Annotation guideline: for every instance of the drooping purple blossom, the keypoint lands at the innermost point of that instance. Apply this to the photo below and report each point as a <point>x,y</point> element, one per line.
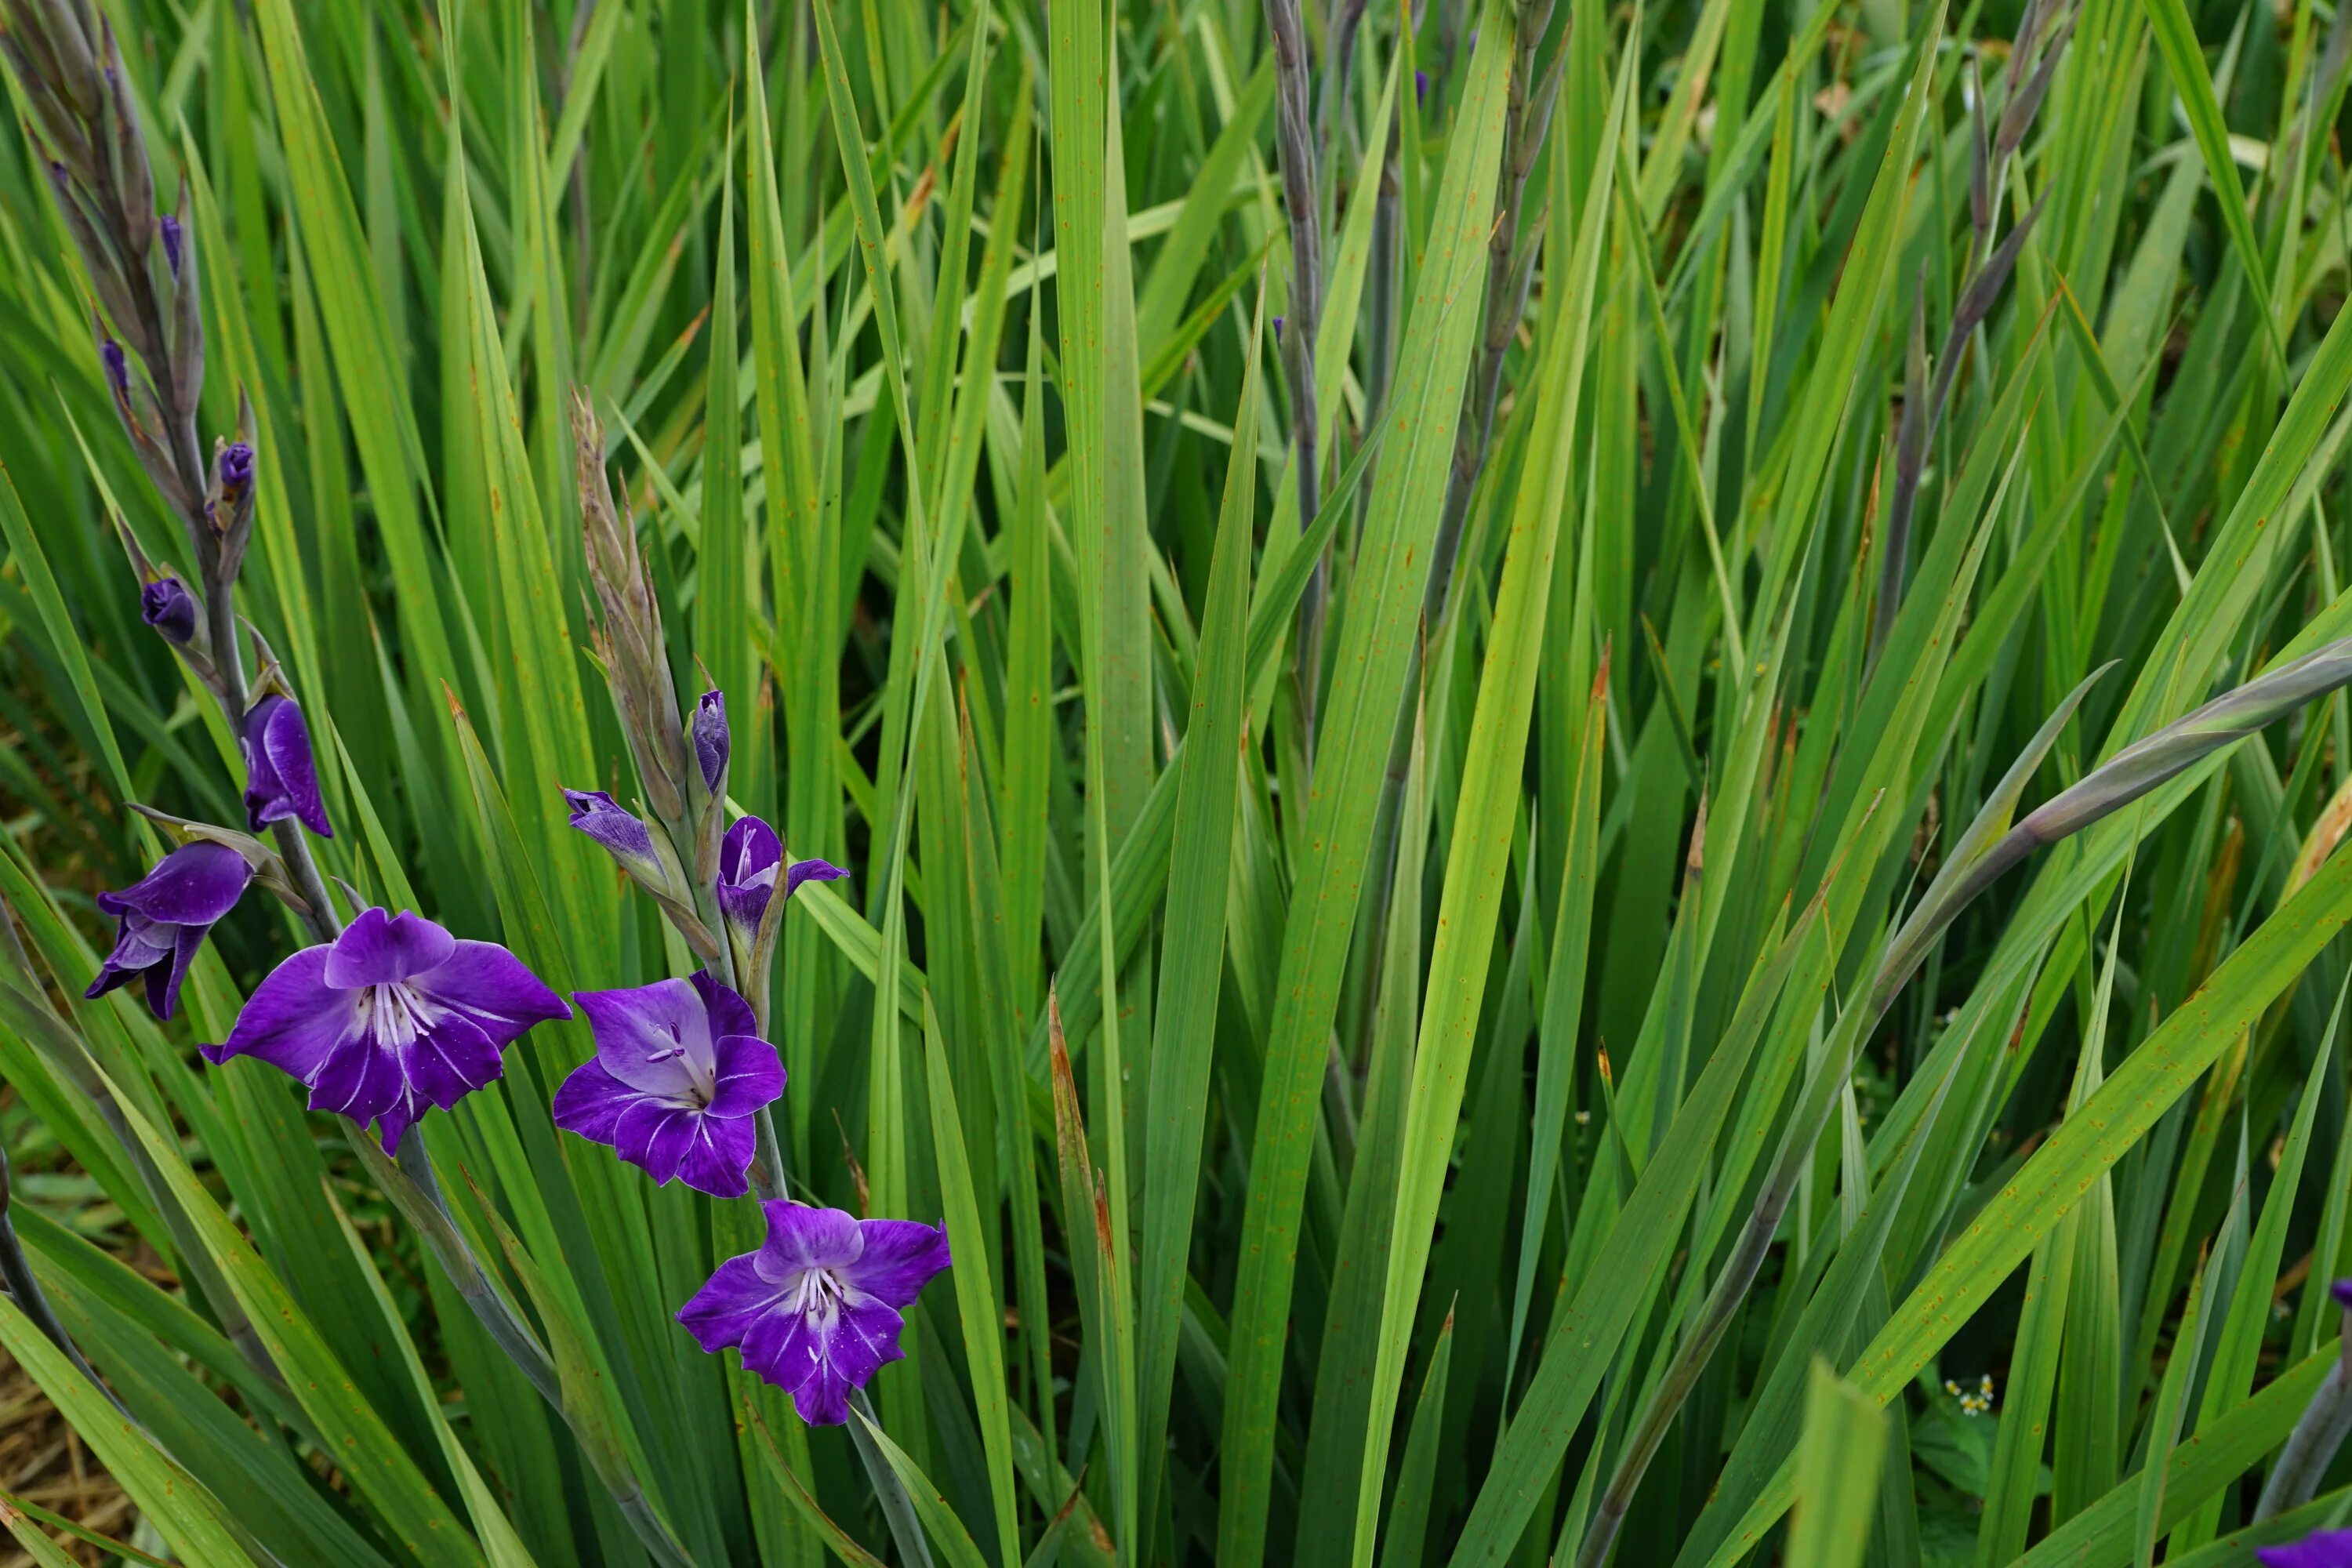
<point>2320,1549</point>
<point>168,606</point>
<point>815,1310</point>
<point>169,227</point>
<point>161,918</point>
<point>595,813</point>
<point>393,1016</point>
<point>678,1077</point>
<point>749,858</point>
<point>282,779</point>
<point>713,743</point>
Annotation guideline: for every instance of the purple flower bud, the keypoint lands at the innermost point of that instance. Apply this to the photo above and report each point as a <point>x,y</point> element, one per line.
<point>282,779</point>
<point>170,226</point>
<point>117,368</point>
<point>235,468</point>
<point>1420,86</point>
<point>712,744</point>
<point>161,919</point>
<point>624,836</point>
<point>1278,332</point>
<point>168,606</point>
<point>2342,1291</point>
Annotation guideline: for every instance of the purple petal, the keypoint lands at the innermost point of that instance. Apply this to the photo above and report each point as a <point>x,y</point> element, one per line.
<point>655,1137</point>
<point>196,884</point>
<point>2321,1549</point>
<point>749,1078</point>
<point>811,871</point>
<point>235,467</point>
<point>493,988</point>
<point>728,1013</point>
<point>651,1037</point>
<point>589,1102</point>
<point>2342,1291</point>
<point>173,240</point>
<point>117,368</point>
<point>729,1302</point>
<point>360,1079</point>
<point>596,814</point>
<point>719,1161</point>
<point>452,1059</point>
<point>901,1256</point>
<point>380,949</point>
<point>817,1358</point>
<point>801,1238</point>
<point>294,1020</point>
<point>711,742</point>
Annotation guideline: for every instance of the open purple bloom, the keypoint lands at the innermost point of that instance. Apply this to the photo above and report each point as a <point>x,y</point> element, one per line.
<point>172,239</point>
<point>713,743</point>
<point>168,606</point>
<point>161,919</point>
<point>595,813</point>
<point>281,779</point>
<point>815,1311</point>
<point>678,1074</point>
<point>2320,1549</point>
<point>393,1015</point>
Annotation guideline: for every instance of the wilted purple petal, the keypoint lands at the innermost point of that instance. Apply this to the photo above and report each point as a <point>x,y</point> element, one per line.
<point>713,743</point>
<point>161,918</point>
<point>810,1312</point>
<point>281,780</point>
<point>168,606</point>
<point>676,1079</point>
<point>394,1016</point>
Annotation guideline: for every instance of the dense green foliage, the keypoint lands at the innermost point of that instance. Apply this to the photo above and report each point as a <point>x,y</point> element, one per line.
<point>1407,1031</point>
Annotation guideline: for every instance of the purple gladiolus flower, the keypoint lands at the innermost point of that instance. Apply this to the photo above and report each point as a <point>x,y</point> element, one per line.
<point>750,858</point>
<point>815,1311</point>
<point>2321,1549</point>
<point>170,227</point>
<point>168,606</point>
<point>711,742</point>
<point>161,919</point>
<point>595,813</point>
<point>679,1076</point>
<point>391,1017</point>
<point>117,368</point>
<point>235,465</point>
<point>281,780</point>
